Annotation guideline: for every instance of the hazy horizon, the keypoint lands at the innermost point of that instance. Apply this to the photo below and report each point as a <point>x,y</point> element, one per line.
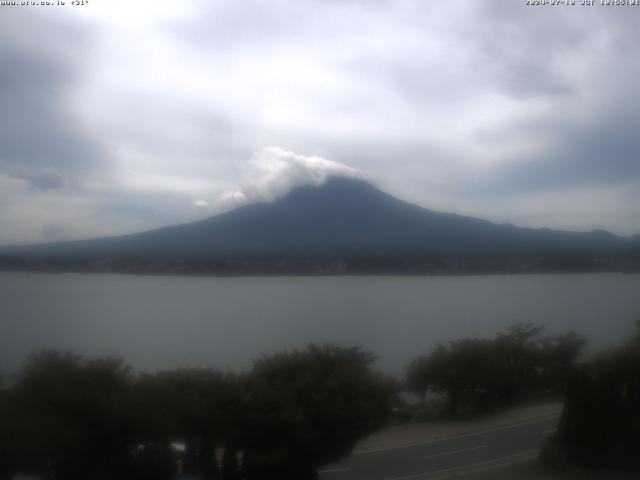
<point>275,197</point>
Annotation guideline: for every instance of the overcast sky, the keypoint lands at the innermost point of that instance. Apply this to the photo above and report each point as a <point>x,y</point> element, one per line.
<point>123,115</point>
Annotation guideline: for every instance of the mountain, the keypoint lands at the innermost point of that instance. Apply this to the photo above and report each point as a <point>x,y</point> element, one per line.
<point>343,222</point>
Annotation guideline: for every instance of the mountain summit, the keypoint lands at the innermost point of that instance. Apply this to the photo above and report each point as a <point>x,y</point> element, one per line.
<point>341,220</point>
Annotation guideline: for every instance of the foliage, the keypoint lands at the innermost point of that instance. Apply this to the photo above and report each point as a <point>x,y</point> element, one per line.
<point>310,407</point>
<point>69,418</point>
<point>5,435</point>
<point>200,406</point>
<point>600,424</point>
<point>484,373</point>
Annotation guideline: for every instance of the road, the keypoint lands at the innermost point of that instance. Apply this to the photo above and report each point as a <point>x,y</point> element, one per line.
<point>494,449</point>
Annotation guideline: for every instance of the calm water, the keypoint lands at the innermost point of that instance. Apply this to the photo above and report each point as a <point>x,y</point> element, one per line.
<point>158,322</point>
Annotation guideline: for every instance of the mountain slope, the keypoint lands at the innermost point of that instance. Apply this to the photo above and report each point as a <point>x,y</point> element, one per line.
<point>342,218</point>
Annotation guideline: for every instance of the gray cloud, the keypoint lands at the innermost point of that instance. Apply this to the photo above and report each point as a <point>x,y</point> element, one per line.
<point>56,232</point>
<point>121,121</point>
<point>522,50</point>
<point>40,140</point>
<point>254,24</point>
<point>592,156</point>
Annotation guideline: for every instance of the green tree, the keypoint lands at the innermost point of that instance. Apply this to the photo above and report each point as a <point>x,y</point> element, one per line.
<point>485,373</point>
<point>201,407</point>
<point>600,423</point>
<point>308,408</point>
<point>558,359</point>
<point>6,434</point>
<point>73,423</point>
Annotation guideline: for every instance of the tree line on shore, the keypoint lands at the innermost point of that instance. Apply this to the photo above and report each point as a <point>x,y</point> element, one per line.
<point>65,417</point>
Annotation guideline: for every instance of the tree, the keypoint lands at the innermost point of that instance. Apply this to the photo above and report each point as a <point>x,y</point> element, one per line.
<point>558,359</point>
<point>518,359</point>
<point>6,434</point>
<point>308,408</point>
<point>600,423</point>
<point>206,405</point>
<point>72,419</point>
<point>486,373</point>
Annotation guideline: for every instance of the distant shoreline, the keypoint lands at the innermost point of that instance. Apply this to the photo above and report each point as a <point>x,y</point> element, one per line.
<point>143,273</point>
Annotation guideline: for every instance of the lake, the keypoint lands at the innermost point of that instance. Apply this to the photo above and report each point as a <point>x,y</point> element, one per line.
<point>160,322</point>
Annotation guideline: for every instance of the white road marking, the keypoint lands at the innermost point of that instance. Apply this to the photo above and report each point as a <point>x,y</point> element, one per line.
<point>514,460</point>
<point>473,467</point>
<point>334,470</point>
<point>456,437</point>
<point>453,452</point>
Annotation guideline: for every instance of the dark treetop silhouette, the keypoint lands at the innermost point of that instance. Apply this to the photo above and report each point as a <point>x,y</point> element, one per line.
<point>69,418</point>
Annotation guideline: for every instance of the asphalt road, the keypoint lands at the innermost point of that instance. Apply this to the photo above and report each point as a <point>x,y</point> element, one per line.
<point>469,454</point>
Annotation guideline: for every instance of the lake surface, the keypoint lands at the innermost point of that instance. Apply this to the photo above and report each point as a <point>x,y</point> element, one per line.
<point>169,321</point>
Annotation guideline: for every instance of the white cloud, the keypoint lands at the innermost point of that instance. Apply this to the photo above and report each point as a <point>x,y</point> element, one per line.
<point>273,171</point>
